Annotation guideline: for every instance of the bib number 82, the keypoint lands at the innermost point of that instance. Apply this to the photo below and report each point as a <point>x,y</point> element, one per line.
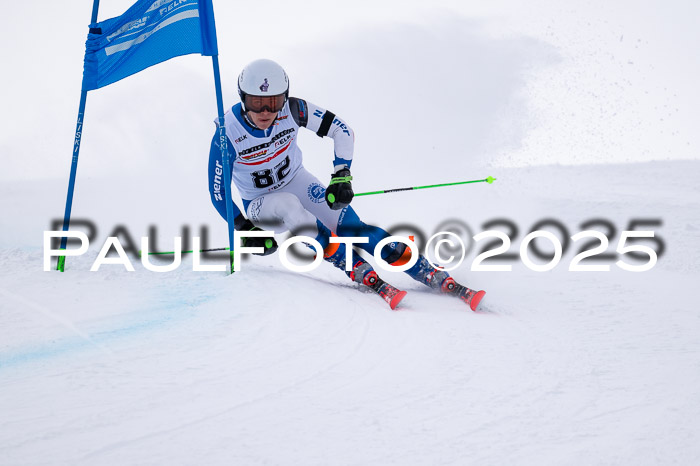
<point>266,178</point>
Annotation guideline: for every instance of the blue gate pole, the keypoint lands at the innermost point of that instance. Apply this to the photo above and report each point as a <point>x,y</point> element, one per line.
<point>76,151</point>
<point>224,157</point>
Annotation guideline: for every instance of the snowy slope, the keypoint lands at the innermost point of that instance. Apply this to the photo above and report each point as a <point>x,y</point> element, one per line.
<point>273,367</point>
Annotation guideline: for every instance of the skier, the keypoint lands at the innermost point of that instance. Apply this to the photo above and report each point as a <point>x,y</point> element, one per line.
<point>275,187</point>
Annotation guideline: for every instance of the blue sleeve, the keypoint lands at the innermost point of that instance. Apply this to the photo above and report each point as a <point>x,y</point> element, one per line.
<point>217,188</point>
<point>341,161</point>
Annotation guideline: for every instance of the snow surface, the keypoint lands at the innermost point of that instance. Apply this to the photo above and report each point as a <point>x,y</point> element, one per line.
<point>269,366</point>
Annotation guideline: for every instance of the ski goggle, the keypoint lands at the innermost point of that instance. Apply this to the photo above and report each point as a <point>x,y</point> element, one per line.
<point>270,103</point>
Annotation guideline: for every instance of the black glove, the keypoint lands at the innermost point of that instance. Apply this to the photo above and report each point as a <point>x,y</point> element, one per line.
<point>339,192</point>
<point>243,224</point>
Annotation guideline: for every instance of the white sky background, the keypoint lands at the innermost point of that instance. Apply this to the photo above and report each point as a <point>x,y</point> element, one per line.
<point>435,87</point>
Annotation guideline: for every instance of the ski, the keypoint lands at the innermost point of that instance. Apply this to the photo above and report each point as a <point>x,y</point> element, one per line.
<point>387,292</point>
<point>471,297</point>
<point>393,295</point>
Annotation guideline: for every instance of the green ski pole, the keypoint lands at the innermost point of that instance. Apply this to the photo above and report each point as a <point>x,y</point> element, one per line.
<point>488,180</point>
<point>268,244</point>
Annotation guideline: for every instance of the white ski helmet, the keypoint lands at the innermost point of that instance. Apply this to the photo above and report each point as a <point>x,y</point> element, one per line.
<point>263,78</point>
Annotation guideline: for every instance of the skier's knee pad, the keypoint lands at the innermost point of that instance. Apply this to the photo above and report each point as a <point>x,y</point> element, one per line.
<point>396,253</point>
<point>330,249</point>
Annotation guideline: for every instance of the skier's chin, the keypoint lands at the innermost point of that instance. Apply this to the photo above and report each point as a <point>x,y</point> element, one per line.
<point>264,120</point>
<point>266,123</point>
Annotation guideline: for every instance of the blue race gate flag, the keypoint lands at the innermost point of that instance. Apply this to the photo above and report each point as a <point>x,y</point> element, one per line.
<point>150,32</point>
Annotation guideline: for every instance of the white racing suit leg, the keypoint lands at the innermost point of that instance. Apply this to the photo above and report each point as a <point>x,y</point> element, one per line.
<point>295,207</point>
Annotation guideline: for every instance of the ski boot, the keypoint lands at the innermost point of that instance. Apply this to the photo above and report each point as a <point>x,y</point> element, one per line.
<point>364,274</point>
<point>471,297</point>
